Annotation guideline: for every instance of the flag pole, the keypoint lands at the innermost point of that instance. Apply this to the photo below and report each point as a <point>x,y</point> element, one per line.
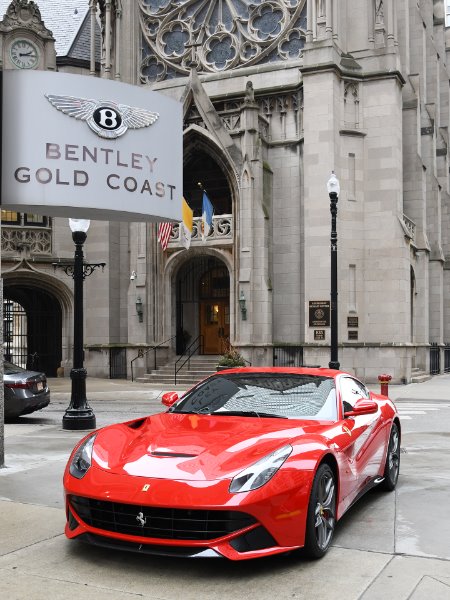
<point>200,185</point>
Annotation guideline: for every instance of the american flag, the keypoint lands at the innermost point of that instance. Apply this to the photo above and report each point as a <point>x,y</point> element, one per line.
<point>164,231</point>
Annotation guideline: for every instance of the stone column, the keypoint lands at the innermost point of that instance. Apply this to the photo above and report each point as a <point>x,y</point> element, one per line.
<point>254,243</point>
<point>93,13</point>
<point>107,40</point>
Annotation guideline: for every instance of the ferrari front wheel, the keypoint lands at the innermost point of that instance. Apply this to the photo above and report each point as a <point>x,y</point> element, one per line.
<point>321,518</point>
<point>392,466</point>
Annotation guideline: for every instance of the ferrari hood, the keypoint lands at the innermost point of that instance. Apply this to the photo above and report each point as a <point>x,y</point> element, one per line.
<point>193,447</point>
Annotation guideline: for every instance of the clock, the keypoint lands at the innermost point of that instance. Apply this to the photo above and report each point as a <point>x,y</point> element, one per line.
<point>24,54</point>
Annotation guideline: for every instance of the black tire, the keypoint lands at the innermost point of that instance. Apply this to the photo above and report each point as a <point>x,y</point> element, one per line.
<point>392,466</point>
<point>321,517</point>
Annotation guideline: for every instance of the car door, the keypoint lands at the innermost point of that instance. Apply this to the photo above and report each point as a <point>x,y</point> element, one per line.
<point>360,438</point>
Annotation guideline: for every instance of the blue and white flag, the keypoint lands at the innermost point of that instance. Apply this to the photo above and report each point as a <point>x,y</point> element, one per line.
<point>207,216</point>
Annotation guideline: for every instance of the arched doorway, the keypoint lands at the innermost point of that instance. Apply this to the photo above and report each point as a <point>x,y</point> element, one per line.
<point>32,320</point>
<point>203,305</point>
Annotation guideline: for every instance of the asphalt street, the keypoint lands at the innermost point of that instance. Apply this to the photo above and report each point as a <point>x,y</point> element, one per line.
<point>390,545</point>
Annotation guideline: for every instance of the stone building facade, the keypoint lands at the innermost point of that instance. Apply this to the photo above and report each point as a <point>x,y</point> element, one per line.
<point>276,95</point>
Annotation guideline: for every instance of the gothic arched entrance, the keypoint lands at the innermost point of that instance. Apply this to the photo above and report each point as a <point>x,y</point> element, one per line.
<point>32,320</point>
<point>203,305</point>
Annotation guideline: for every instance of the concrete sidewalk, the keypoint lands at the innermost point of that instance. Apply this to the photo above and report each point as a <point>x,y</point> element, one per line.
<point>385,547</point>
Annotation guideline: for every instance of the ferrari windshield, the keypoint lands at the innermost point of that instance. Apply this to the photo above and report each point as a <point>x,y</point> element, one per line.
<point>263,395</point>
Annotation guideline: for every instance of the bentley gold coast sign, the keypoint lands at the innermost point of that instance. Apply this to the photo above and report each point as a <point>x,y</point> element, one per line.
<point>84,147</point>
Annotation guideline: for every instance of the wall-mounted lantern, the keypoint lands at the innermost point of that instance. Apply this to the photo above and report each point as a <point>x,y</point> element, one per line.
<point>139,309</point>
<point>242,305</point>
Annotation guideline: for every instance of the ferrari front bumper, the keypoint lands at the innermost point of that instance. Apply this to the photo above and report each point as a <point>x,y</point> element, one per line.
<point>181,518</point>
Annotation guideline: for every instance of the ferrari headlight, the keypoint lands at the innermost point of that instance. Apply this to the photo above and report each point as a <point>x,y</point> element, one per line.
<point>81,460</point>
<point>261,472</point>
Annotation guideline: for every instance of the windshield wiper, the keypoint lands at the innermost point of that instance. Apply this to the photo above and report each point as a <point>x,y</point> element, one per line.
<point>248,413</point>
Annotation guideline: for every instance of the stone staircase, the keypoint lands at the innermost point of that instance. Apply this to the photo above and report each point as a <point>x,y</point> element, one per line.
<point>419,376</point>
<point>199,368</point>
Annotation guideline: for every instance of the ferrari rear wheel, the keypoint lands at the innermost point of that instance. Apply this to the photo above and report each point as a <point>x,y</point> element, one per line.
<point>321,518</point>
<point>392,467</point>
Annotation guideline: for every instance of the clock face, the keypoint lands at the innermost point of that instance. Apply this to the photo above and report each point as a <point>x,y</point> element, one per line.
<point>24,54</point>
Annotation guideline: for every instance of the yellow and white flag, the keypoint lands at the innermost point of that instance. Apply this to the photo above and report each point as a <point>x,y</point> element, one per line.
<point>186,225</point>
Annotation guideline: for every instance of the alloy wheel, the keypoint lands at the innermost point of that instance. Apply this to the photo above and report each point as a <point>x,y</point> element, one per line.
<point>324,511</point>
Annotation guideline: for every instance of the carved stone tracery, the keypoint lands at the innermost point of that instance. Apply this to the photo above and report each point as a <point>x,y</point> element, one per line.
<point>287,106</point>
<point>218,35</point>
<point>37,241</point>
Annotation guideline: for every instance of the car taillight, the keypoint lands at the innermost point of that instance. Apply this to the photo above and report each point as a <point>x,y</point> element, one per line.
<point>23,385</point>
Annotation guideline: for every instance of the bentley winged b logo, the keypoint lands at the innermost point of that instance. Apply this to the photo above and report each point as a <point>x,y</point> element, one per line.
<point>106,118</point>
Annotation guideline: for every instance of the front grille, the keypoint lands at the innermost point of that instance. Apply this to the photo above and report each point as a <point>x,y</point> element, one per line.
<point>161,523</point>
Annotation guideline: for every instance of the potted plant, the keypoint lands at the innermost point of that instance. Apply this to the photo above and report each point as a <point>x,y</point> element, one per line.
<point>230,359</point>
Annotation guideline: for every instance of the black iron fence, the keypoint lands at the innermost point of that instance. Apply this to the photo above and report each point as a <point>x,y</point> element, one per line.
<point>447,358</point>
<point>288,356</point>
<point>435,359</point>
<point>118,363</point>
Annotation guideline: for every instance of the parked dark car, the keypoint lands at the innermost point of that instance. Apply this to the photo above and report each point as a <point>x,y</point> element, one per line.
<point>25,391</point>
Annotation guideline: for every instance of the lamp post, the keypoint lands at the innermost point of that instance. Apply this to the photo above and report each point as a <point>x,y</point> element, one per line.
<point>79,415</point>
<point>333,192</point>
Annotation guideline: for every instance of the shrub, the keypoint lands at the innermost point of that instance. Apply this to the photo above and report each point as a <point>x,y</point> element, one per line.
<point>231,358</point>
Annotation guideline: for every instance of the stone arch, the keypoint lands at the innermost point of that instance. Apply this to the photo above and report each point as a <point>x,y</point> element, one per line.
<point>47,309</point>
<point>174,267</point>
<point>196,137</point>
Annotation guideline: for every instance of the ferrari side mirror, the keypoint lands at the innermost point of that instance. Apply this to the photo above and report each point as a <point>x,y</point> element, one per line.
<point>169,398</point>
<point>362,407</point>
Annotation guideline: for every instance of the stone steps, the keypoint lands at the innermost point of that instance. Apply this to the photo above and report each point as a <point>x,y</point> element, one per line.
<point>199,367</point>
<point>419,376</point>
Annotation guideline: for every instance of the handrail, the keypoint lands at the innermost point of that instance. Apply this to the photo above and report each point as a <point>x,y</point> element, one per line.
<point>189,351</point>
<point>141,354</point>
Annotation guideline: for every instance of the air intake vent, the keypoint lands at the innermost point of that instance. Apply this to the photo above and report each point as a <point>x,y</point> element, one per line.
<point>161,523</point>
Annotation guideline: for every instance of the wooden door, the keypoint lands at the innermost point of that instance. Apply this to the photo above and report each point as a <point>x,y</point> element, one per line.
<point>215,325</point>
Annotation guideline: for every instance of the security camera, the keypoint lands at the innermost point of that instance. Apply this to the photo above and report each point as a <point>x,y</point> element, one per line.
<point>133,275</point>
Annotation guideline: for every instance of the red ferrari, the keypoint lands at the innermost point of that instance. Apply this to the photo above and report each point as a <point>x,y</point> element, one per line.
<point>249,462</point>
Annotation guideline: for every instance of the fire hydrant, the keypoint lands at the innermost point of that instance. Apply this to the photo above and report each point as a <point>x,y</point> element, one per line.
<point>384,383</point>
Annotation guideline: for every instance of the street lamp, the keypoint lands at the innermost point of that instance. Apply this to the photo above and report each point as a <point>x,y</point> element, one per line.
<point>333,191</point>
<point>79,415</point>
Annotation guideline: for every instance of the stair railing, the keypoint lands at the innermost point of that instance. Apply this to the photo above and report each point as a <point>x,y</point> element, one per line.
<point>197,344</point>
<point>141,354</point>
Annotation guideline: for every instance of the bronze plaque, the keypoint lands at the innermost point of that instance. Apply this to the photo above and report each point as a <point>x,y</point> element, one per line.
<point>319,313</point>
<point>352,335</point>
<point>352,322</point>
<point>319,334</point>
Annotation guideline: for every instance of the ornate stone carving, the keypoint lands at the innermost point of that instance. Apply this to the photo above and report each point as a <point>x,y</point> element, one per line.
<point>222,231</point>
<point>217,35</point>
<point>37,241</point>
<point>351,105</point>
<point>21,13</point>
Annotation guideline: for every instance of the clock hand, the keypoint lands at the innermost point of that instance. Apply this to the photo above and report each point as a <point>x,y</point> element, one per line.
<point>30,53</point>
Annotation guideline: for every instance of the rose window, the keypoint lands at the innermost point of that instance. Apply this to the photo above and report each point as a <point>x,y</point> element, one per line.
<point>217,35</point>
